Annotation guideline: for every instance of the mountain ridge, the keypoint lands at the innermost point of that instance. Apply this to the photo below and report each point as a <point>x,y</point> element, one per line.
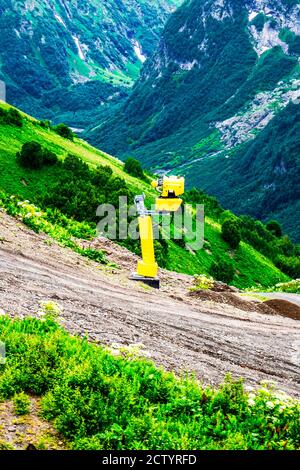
<point>59,56</point>
<point>222,72</point>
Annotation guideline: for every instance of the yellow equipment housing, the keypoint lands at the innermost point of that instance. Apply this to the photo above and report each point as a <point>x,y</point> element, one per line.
<point>147,267</point>
<point>170,188</point>
<point>167,204</point>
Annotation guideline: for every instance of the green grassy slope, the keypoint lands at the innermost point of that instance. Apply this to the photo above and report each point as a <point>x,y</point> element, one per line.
<point>251,267</point>
<point>97,400</point>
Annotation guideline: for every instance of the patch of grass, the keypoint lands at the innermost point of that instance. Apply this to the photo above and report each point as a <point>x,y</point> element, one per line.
<point>21,403</point>
<point>292,287</point>
<point>5,445</point>
<point>97,400</point>
<point>254,296</point>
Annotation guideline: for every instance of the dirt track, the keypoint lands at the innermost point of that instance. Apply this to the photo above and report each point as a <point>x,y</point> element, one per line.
<point>179,331</point>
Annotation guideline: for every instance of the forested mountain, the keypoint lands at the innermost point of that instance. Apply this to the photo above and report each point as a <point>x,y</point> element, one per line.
<point>218,102</point>
<point>60,56</point>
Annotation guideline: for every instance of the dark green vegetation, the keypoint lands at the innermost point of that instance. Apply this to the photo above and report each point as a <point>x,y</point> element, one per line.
<point>71,57</point>
<point>67,194</point>
<point>64,131</point>
<point>264,175</point>
<point>21,404</point>
<point>274,227</point>
<point>97,400</point>
<point>205,72</point>
<point>231,232</point>
<point>133,167</point>
<point>34,156</point>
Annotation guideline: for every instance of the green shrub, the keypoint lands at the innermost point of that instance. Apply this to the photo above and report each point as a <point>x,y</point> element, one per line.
<point>231,232</point>
<point>133,167</point>
<point>292,287</point>
<point>95,255</point>
<point>45,124</point>
<point>14,118</point>
<point>11,117</point>
<point>99,400</point>
<point>289,265</point>
<point>6,445</point>
<point>64,131</point>
<point>21,403</point>
<point>275,228</point>
<point>222,270</point>
<point>203,282</point>
<point>79,190</point>
<point>259,21</point>
<point>34,156</point>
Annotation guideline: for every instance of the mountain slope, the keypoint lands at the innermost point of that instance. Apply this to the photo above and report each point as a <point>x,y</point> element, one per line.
<point>223,70</point>
<point>65,56</point>
<point>250,266</point>
<point>180,331</point>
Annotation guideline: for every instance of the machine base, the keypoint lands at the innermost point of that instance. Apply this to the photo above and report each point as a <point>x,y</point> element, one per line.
<point>150,281</point>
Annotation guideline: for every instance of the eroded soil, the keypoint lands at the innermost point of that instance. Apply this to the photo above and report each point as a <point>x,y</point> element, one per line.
<point>207,335</point>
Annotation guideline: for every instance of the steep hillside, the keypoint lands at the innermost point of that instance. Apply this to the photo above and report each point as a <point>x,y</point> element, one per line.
<point>223,70</point>
<point>62,56</point>
<point>76,190</point>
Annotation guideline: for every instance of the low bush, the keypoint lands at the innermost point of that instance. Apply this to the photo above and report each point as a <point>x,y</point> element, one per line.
<point>64,131</point>
<point>231,232</point>
<point>11,117</point>
<point>99,400</point>
<point>133,167</point>
<point>274,227</point>
<point>289,265</point>
<point>21,403</point>
<point>222,270</point>
<point>34,156</point>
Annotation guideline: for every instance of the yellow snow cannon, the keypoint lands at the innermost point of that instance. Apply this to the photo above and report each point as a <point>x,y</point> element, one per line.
<point>170,188</point>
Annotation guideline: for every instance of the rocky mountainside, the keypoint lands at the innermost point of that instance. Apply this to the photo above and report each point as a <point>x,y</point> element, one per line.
<point>218,102</point>
<point>61,56</point>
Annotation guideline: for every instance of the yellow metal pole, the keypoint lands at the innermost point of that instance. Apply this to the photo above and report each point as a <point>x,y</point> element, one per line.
<point>148,266</point>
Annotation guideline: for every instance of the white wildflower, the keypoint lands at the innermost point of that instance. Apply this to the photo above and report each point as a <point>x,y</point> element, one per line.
<point>270,404</point>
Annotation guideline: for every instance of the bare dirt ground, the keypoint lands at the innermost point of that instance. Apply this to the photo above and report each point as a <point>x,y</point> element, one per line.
<point>21,431</point>
<point>208,335</point>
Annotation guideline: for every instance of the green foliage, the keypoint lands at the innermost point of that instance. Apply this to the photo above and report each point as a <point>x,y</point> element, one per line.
<point>97,400</point>
<point>196,196</point>
<point>45,124</point>
<point>34,156</point>
<point>222,270</point>
<point>21,403</point>
<point>64,131</point>
<point>289,265</point>
<point>6,445</point>
<point>203,283</point>
<point>11,117</point>
<point>79,190</point>
<point>292,287</point>
<point>133,167</point>
<point>231,232</point>
<point>274,227</point>
<point>259,21</point>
